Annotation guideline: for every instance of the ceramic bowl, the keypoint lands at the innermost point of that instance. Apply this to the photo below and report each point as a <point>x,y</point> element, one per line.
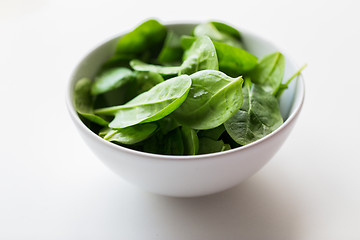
<point>189,176</point>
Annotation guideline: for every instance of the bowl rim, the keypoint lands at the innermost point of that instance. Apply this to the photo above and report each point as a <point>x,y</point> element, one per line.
<point>294,112</point>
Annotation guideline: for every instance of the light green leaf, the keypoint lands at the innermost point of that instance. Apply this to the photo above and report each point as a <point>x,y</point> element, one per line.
<point>152,105</point>
<point>200,56</point>
<point>219,35</point>
<point>129,135</point>
<point>163,70</point>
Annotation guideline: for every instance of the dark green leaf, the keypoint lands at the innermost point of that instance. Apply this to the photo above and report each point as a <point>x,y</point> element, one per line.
<point>208,145</point>
<point>213,133</point>
<point>234,61</point>
<point>111,79</point>
<point>269,73</point>
<point>258,116</point>
<point>173,143</point>
<point>84,103</point>
<point>191,140</point>
<point>167,124</point>
<point>147,37</point>
<point>171,52</point>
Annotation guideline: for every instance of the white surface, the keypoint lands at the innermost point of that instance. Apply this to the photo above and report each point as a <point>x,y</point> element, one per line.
<point>52,187</point>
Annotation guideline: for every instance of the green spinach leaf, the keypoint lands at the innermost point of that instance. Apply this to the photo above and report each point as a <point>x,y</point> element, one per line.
<point>167,124</point>
<point>225,28</point>
<point>200,56</point>
<point>173,143</point>
<point>213,133</point>
<point>191,140</point>
<point>129,135</point>
<point>171,52</point>
<point>213,99</point>
<point>147,38</point>
<point>110,79</point>
<point>208,145</point>
<point>233,61</point>
<point>84,103</point>
<point>258,116</point>
<point>269,73</point>
<point>211,30</point>
<point>284,86</point>
<point>163,70</point>
<point>152,105</point>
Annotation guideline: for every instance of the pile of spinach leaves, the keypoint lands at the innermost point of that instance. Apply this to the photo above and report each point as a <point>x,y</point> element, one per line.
<point>164,93</point>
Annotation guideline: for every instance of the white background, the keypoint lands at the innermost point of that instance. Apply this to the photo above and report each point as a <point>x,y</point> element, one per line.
<point>53,187</point>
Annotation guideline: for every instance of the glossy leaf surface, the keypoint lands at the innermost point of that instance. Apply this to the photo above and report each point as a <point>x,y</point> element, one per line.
<point>213,99</point>
<point>152,105</point>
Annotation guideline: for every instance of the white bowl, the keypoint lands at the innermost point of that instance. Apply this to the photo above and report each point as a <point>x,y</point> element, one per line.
<point>189,176</point>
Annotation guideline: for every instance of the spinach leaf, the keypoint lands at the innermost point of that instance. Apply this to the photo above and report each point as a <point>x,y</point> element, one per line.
<point>129,135</point>
<point>213,99</point>
<point>284,86</point>
<point>146,80</point>
<point>169,144</point>
<point>224,28</point>
<point>84,103</point>
<point>233,61</point>
<point>167,124</point>
<point>154,144</point>
<point>258,116</point>
<point>147,38</point>
<point>110,79</point>
<point>163,70</point>
<point>173,143</point>
<point>186,41</point>
<point>208,145</point>
<point>213,133</point>
<point>118,60</point>
<point>171,52</point>
<point>129,87</point>
<point>201,55</point>
<point>269,73</point>
<point>152,105</point>
<point>219,35</point>
<point>191,140</point>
